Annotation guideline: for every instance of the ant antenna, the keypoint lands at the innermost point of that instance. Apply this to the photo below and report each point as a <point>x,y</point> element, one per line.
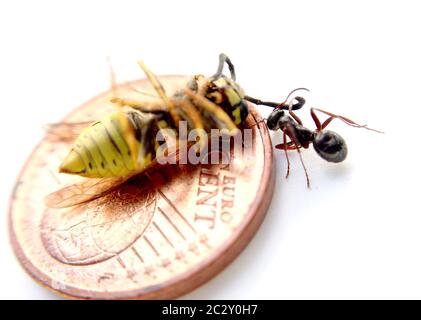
<point>282,104</point>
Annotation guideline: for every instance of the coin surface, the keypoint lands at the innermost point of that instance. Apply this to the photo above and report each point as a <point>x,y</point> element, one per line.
<point>160,235</point>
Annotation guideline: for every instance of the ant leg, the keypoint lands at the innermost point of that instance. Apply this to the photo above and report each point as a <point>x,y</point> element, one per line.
<point>286,155</point>
<point>315,119</point>
<point>257,123</point>
<point>334,116</point>
<point>223,58</point>
<point>289,146</point>
<point>289,131</point>
<point>286,146</point>
<point>298,105</point>
<point>296,118</point>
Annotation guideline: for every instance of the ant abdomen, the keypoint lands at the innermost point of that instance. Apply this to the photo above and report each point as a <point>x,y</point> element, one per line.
<point>330,146</point>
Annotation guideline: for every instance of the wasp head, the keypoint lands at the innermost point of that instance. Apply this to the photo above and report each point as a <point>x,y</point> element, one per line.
<point>227,93</point>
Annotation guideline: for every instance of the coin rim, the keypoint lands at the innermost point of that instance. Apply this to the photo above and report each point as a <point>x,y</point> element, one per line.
<point>190,279</point>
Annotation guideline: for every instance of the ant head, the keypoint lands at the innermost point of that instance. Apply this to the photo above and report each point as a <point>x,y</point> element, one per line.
<point>272,121</point>
<point>278,112</point>
<point>330,146</point>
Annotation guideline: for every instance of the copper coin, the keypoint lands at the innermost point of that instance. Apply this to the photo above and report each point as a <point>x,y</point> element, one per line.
<point>158,236</point>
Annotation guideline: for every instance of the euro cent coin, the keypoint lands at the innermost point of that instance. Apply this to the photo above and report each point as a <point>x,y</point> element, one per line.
<point>159,236</point>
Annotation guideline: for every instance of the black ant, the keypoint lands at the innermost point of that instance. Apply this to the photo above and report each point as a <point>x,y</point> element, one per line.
<point>328,144</point>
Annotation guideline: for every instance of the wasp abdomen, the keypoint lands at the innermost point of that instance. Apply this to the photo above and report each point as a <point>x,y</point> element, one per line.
<point>106,148</point>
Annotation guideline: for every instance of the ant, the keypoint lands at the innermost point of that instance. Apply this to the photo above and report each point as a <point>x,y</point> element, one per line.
<point>328,144</point>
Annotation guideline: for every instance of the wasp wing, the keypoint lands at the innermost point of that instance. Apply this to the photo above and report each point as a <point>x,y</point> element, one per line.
<point>83,191</point>
<point>65,131</point>
<point>91,189</point>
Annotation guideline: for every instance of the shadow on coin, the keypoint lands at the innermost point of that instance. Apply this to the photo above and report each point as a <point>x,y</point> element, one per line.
<point>102,228</point>
<point>98,230</point>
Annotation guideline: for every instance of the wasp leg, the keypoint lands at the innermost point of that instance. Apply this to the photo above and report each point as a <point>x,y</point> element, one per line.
<point>196,119</point>
<point>191,113</point>
<point>282,105</point>
<point>213,110</point>
<point>260,102</point>
<point>150,107</point>
<point>279,105</point>
<point>159,88</point>
<point>144,93</point>
<point>198,84</point>
<point>223,58</point>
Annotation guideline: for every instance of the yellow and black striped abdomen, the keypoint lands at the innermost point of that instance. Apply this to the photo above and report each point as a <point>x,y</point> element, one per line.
<point>112,147</point>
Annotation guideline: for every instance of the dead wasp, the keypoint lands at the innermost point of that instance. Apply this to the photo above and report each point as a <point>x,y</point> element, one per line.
<point>123,144</point>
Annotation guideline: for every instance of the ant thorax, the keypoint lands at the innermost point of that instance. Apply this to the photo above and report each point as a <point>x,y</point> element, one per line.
<point>302,134</point>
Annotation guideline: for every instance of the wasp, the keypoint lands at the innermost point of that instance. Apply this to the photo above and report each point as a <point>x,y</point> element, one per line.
<point>123,144</point>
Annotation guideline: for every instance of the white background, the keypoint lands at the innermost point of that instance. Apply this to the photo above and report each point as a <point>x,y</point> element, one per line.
<point>357,232</point>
